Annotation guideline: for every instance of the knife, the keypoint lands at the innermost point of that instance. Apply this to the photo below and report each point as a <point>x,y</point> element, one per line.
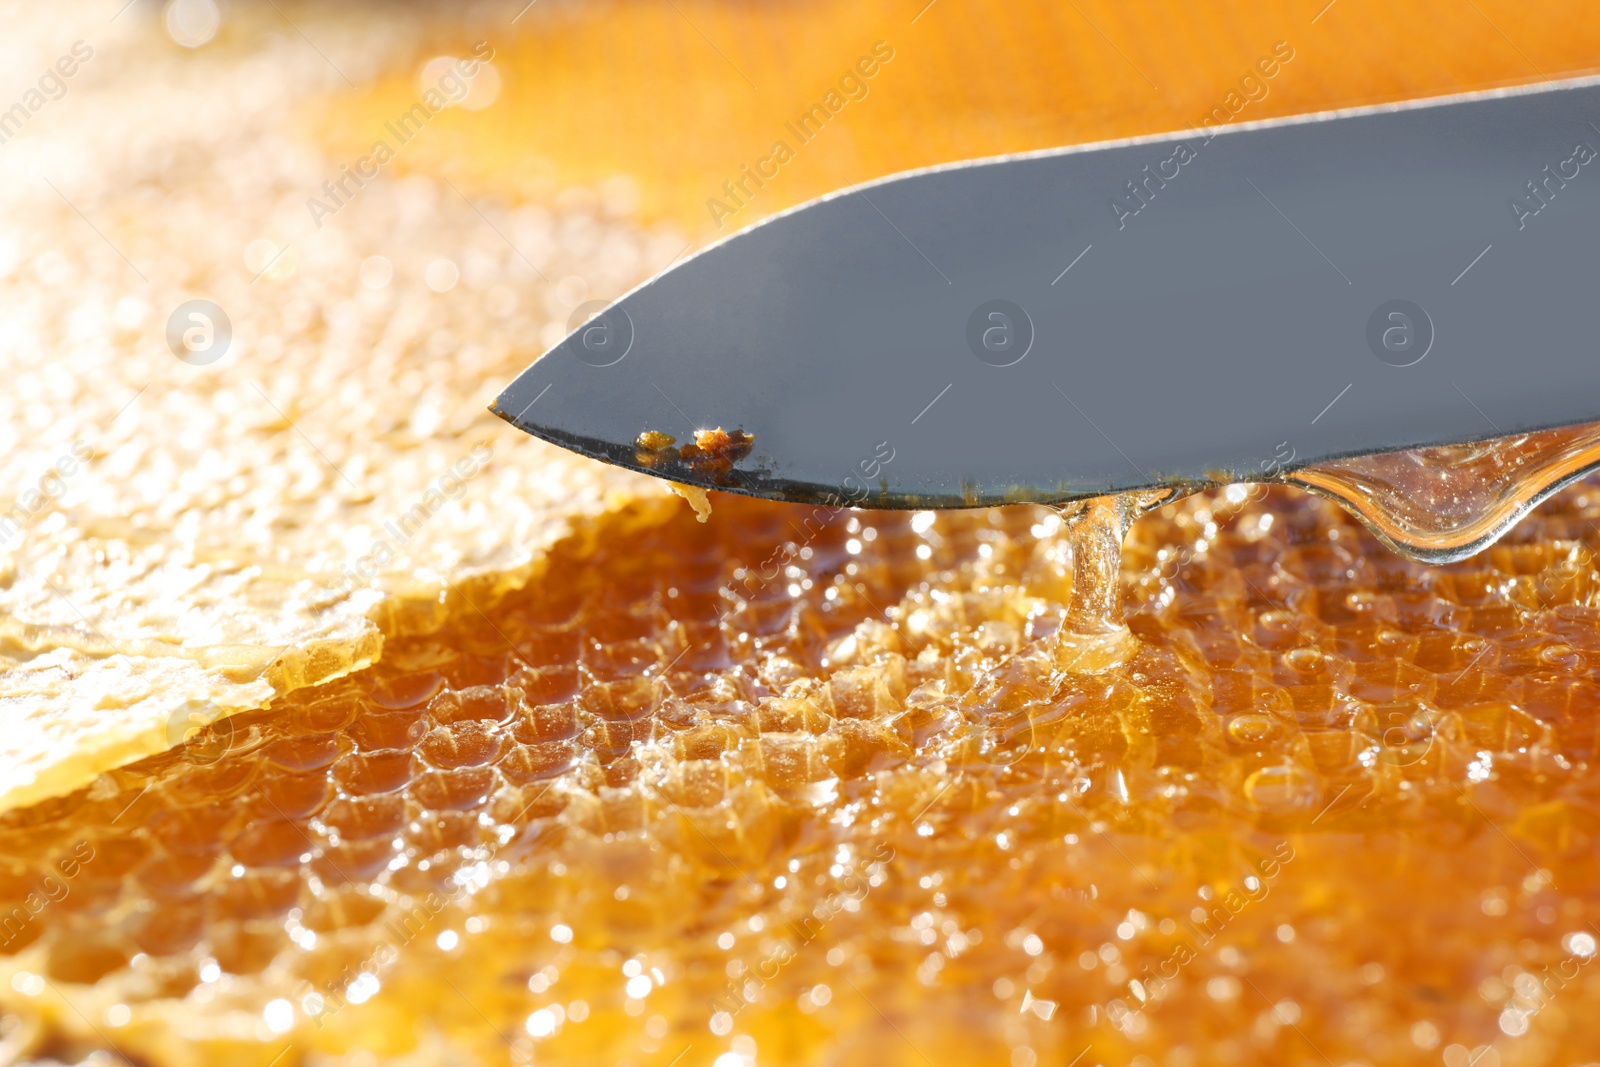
<point>1169,311</point>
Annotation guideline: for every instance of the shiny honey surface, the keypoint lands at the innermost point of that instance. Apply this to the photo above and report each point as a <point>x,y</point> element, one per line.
<point>799,786</point>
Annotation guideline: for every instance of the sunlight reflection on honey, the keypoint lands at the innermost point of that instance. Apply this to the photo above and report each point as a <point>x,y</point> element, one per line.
<point>830,800</point>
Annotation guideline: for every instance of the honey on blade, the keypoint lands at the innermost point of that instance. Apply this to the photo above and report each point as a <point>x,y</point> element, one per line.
<point>1443,504</point>
<point>792,787</point>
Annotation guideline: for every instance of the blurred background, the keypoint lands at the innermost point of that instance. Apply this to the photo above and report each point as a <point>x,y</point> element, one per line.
<point>662,103</point>
<point>651,107</point>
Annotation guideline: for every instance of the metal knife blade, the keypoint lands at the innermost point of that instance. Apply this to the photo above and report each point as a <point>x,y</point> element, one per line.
<point>1166,311</point>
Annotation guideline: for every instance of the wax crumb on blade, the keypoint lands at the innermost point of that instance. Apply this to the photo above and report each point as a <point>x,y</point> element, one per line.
<point>716,451</point>
<point>697,497</point>
<point>654,440</point>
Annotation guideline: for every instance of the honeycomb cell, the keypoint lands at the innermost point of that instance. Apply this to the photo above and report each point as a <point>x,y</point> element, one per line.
<point>397,692</point>
<point>256,894</point>
<point>471,743</point>
<point>304,753</point>
<point>167,876</point>
<point>455,790</point>
<point>170,928</point>
<point>377,730</point>
<point>270,843</point>
<point>86,959</point>
<point>538,762</point>
<point>289,796</point>
<point>246,947</point>
<point>375,772</point>
<point>353,862</point>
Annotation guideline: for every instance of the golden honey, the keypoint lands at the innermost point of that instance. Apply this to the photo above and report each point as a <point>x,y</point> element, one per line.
<point>549,773</point>
<point>817,793</point>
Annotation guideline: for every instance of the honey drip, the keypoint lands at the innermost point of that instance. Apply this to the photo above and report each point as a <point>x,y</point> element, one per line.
<point>1443,504</point>
<point>1434,505</point>
<point>1093,635</point>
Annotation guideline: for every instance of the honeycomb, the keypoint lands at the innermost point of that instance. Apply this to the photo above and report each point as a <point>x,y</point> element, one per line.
<point>804,786</point>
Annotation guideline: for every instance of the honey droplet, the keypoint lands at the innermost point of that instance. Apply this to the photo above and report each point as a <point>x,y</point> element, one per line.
<point>1305,660</point>
<point>1251,728</point>
<point>1282,790</point>
<point>1561,656</point>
